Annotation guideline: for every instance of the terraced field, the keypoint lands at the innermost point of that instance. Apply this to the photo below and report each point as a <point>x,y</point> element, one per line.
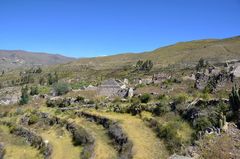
<point>62,142</point>
<point>16,147</point>
<point>102,141</point>
<point>145,142</point>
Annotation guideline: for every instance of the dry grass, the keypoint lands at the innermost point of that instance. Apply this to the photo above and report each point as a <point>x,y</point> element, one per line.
<point>16,147</point>
<point>103,148</point>
<point>145,142</point>
<point>62,144</point>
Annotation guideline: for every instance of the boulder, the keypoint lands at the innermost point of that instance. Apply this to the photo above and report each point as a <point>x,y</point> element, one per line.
<point>130,92</point>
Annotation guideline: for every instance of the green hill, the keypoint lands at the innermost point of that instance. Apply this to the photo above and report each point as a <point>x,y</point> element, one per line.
<point>183,53</point>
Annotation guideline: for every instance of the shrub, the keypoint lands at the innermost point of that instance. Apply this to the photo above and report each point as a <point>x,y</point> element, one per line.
<point>79,99</point>
<point>145,98</point>
<point>52,78</point>
<point>61,88</point>
<point>201,123</point>
<point>161,109</point>
<point>44,90</point>
<point>34,90</point>
<point>144,66</point>
<point>176,133</point>
<point>135,100</point>
<point>33,119</point>
<point>181,98</point>
<point>58,103</point>
<point>24,97</point>
<point>135,109</point>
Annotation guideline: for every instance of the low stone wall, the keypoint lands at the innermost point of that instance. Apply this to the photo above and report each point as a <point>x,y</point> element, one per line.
<point>115,132</point>
<point>79,134</point>
<point>35,140</point>
<point>81,137</point>
<point>2,150</point>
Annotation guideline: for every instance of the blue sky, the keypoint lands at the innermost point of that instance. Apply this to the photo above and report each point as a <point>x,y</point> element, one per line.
<point>86,28</point>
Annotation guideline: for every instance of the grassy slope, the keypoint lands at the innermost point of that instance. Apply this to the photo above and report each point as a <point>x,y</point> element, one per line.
<point>16,147</point>
<point>102,141</point>
<point>145,142</point>
<point>180,55</point>
<point>62,143</point>
<point>185,52</point>
<point>103,148</point>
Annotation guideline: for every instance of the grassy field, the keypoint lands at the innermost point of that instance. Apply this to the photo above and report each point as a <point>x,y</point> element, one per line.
<point>16,147</point>
<point>145,142</point>
<point>103,147</point>
<point>61,141</point>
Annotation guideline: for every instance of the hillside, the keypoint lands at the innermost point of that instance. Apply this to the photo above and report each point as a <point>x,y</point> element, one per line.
<point>10,59</point>
<point>107,108</point>
<point>184,53</point>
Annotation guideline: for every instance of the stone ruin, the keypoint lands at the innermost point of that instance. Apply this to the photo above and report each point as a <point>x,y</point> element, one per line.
<point>112,87</point>
<point>214,77</point>
<point>160,77</point>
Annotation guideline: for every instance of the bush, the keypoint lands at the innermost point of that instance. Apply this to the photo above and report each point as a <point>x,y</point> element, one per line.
<point>58,103</point>
<point>161,109</point>
<point>33,119</point>
<point>145,98</point>
<point>144,66</point>
<point>135,109</point>
<point>201,123</point>
<point>117,108</point>
<point>34,90</point>
<point>79,99</point>
<point>176,133</point>
<point>52,78</point>
<point>61,88</point>
<point>24,97</point>
<point>181,98</point>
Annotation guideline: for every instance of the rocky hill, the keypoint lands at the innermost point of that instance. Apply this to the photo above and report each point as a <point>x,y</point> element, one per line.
<point>11,59</point>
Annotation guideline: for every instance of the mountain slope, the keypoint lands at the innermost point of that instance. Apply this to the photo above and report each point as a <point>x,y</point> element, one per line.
<point>11,59</point>
<point>184,53</point>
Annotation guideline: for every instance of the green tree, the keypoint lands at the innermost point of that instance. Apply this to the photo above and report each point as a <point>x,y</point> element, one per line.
<point>34,90</point>
<point>144,66</point>
<point>24,97</point>
<point>52,78</point>
<point>145,98</point>
<point>61,88</point>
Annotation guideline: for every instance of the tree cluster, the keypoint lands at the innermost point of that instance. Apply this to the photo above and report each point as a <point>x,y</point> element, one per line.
<point>144,66</point>
<point>202,64</point>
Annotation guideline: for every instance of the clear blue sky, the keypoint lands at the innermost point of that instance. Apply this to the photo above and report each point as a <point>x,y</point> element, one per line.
<point>84,28</point>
